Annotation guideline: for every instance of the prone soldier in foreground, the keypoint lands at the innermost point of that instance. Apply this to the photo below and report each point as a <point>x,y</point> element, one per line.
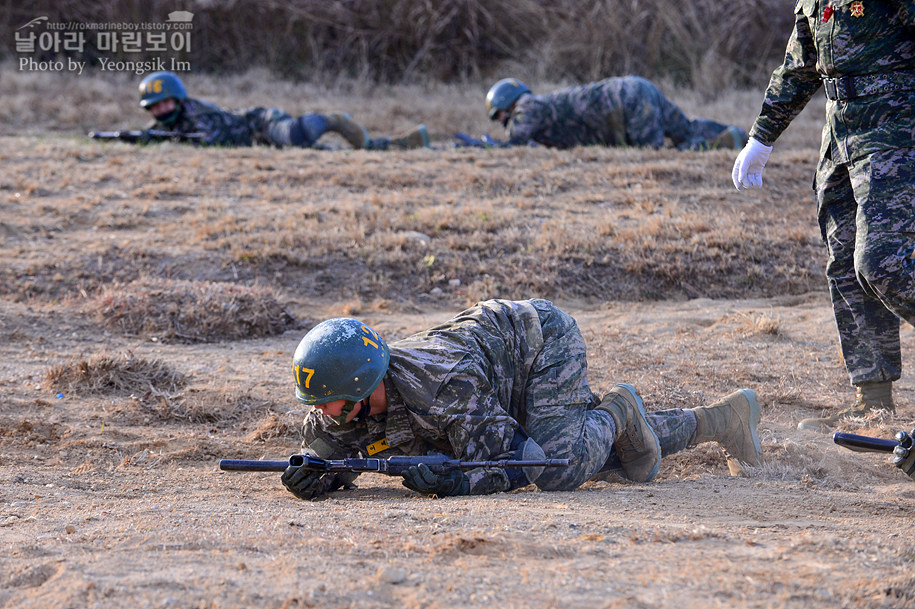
<point>501,380</point>
<point>620,111</point>
<point>165,97</point>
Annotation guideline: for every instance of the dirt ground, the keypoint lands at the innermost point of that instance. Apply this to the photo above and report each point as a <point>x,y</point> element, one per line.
<point>110,495</point>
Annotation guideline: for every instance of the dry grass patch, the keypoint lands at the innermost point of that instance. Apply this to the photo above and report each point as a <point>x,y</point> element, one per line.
<point>591,223</point>
<point>408,41</point>
<point>119,375</point>
<point>216,406</point>
<point>198,405</point>
<point>276,426</point>
<point>190,311</point>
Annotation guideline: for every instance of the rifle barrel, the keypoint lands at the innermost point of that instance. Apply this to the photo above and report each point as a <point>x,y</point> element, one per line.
<point>375,465</point>
<point>864,444</point>
<point>242,465</point>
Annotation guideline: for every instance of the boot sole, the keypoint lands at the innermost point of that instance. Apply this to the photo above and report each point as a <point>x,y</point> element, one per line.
<point>641,408</point>
<point>755,416</point>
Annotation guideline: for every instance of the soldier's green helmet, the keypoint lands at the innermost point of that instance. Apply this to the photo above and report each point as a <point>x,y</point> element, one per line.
<point>339,359</point>
<point>161,85</point>
<point>503,94</point>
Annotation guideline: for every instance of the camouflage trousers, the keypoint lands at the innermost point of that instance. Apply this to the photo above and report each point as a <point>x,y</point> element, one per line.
<point>650,117</point>
<point>274,127</point>
<point>560,414</point>
<point>866,213</point>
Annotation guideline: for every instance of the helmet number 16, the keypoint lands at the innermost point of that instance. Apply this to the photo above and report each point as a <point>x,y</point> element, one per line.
<point>153,87</point>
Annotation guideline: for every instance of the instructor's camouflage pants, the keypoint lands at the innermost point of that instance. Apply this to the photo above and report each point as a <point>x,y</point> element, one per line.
<point>867,219</point>
<point>560,413</point>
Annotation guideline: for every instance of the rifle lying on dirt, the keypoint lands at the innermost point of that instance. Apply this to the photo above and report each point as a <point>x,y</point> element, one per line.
<point>147,135</point>
<point>864,444</point>
<point>485,141</point>
<point>392,466</point>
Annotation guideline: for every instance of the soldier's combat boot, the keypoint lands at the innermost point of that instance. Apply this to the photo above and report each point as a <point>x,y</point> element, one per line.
<point>636,442</point>
<point>354,133</point>
<point>417,137</point>
<point>732,423</point>
<point>869,397</point>
<point>732,138</point>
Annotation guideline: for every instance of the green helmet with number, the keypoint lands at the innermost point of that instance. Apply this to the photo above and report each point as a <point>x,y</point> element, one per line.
<point>161,85</point>
<point>503,94</point>
<point>339,359</point>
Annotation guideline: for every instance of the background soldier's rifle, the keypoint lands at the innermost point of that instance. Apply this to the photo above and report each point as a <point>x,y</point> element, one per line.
<point>485,141</point>
<point>147,135</point>
<point>392,466</point>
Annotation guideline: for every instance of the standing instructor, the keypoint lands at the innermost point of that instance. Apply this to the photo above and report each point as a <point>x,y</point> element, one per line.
<point>862,52</point>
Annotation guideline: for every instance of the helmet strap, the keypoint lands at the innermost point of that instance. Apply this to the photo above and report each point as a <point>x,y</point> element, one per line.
<point>361,414</point>
<point>364,408</point>
<point>508,115</point>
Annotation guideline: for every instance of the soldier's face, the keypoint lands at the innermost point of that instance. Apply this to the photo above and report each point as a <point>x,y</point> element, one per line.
<point>163,107</point>
<point>502,117</point>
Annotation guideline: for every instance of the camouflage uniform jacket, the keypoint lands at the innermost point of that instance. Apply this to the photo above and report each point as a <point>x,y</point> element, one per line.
<point>457,388</point>
<point>220,127</point>
<point>585,115</point>
<point>872,42</point>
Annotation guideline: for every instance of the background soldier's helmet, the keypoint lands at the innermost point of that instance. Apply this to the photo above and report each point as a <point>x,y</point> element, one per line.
<point>339,359</point>
<point>503,94</point>
<point>161,85</point>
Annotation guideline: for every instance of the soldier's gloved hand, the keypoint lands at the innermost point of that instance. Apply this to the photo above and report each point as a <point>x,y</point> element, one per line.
<point>423,480</point>
<point>904,457</point>
<point>310,484</point>
<point>749,165</point>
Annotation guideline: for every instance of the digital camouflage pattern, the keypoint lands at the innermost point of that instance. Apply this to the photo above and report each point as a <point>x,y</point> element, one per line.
<point>620,111</point>
<point>870,41</point>
<point>866,219</point>
<point>268,126</point>
<point>865,179</point>
<point>465,387</point>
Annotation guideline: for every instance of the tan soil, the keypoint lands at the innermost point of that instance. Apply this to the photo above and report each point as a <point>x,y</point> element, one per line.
<point>111,496</point>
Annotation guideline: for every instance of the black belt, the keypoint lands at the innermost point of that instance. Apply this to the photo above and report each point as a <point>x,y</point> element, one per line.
<point>850,87</point>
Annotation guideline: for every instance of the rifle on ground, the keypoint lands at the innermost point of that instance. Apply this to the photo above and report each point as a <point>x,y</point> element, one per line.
<point>392,466</point>
<point>864,444</point>
<point>147,135</point>
<point>485,141</point>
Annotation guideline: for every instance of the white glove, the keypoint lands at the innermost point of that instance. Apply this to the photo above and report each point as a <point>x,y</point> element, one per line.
<point>749,165</point>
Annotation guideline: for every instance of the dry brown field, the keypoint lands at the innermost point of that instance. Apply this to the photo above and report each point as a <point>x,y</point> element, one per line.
<point>151,299</point>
